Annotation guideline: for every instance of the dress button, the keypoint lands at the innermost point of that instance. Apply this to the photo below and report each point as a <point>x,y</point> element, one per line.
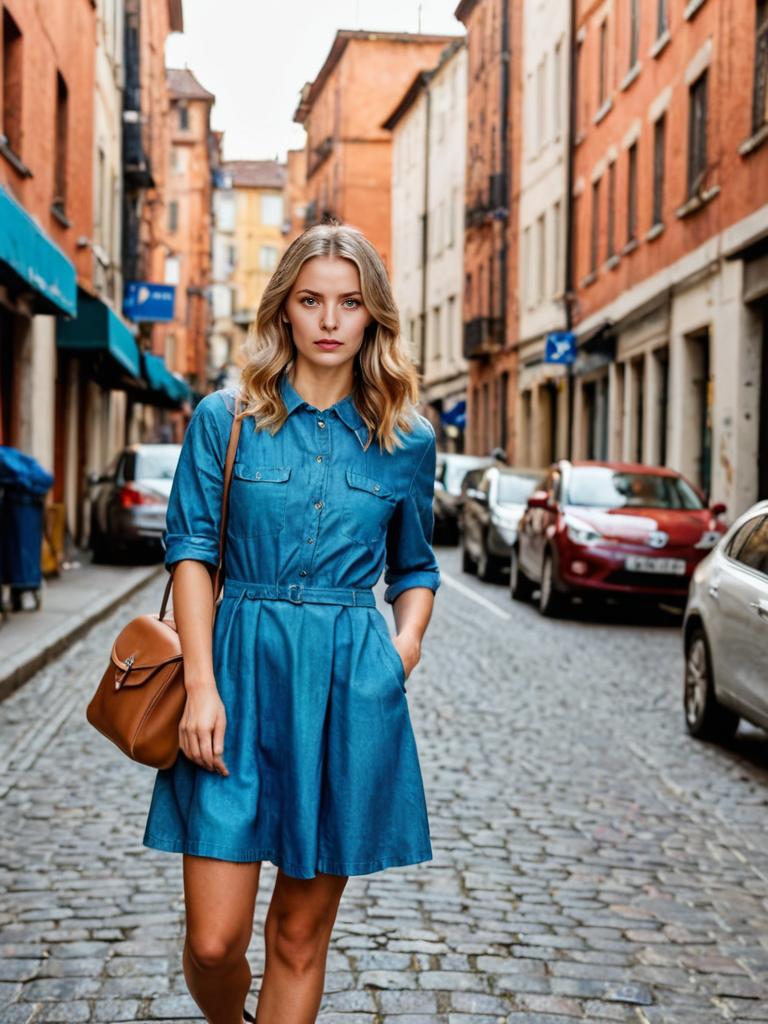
<point>318,458</point>
<point>377,487</point>
<point>302,572</point>
<point>318,504</point>
<point>310,540</point>
<point>257,476</point>
<point>321,423</point>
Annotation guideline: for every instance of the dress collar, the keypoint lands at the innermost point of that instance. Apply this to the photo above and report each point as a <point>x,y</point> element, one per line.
<point>345,408</point>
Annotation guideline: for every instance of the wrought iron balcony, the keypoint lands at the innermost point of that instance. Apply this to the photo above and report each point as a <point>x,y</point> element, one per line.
<point>483,337</point>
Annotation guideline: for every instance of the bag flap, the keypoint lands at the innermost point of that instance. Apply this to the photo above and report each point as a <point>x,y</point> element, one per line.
<point>146,642</point>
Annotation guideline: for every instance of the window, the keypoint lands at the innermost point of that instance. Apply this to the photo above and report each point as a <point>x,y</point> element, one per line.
<point>541,258</point>
<point>183,117</point>
<point>611,225</point>
<point>452,353</point>
<point>12,83</point>
<point>272,210</point>
<point>62,138</point>
<point>659,136</point>
<point>172,270</point>
<point>557,244</point>
<point>739,539</point>
<point>634,31</point>
<point>525,275</point>
<point>540,105</point>
<point>602,67</point>
<point>437,341</point>
<point>595,248</point>
<point>662,18</point>
<point>173,215</point>
<point>557,90</point>
<point>226,218</point>
<point>632,192</point>
<point>268,256</point>
<point>231,258</point>
<point>760,98</point>
<point>578,60</point>
<point>697,134</point>
<point>754,553</point>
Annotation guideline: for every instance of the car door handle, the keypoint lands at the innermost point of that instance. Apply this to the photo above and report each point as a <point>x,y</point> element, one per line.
<point>713,590</point>
<point>761,607</point>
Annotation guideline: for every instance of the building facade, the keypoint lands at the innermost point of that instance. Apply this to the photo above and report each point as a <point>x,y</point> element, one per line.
<point>490,317</point>
<point>428,129</point>
<point>671,239</point>
<point>348,151</point>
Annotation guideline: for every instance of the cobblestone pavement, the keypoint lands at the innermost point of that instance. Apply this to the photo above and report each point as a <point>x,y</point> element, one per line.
<point>591,862</point>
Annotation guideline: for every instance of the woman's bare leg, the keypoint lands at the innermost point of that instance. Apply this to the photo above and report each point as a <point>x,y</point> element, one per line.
<point>297,931</point>
<point>220,899</point>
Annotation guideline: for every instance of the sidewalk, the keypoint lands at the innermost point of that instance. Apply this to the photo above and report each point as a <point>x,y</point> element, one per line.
<point>71,604</point>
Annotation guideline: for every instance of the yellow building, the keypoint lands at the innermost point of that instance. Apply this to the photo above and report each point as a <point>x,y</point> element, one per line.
<point>258,240</point>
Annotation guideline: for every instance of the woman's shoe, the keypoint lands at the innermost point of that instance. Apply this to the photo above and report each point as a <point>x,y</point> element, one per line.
<point>247,1016</point>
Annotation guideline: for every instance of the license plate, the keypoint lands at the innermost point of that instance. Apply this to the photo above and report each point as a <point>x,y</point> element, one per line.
<point>663,566</point>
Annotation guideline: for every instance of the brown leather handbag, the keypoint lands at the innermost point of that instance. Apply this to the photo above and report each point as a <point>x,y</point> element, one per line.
<point>140,699</point>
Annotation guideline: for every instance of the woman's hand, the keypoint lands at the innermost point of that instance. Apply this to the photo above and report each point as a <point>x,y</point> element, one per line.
<point>202,726</point>
<point>408,646</point>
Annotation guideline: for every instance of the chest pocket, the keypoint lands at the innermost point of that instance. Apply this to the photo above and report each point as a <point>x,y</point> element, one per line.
<point>258,499</point>
<point>367,507</point>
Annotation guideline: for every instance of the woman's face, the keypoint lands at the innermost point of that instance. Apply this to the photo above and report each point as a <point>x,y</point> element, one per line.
<point>326,312</point>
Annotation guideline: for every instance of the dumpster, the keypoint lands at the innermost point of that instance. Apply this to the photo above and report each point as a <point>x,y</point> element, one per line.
<point>23,485</point>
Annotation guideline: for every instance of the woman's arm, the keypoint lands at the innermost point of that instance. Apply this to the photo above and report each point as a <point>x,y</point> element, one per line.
<point>412,611</point>
<point>202,726</point>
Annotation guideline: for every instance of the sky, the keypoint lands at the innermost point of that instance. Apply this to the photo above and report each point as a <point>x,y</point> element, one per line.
<point>255,56</point>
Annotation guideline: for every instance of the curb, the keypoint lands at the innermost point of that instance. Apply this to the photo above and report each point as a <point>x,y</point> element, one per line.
<point>50,649</point>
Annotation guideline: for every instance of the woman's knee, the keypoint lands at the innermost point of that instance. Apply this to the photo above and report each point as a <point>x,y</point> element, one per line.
<point>212,951</point>
<point>298,940</point>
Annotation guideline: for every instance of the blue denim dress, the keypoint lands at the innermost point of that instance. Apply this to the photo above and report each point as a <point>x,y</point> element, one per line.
<point>324,771</point>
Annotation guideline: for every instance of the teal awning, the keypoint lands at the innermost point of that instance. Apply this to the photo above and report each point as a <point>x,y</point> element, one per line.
<point>97,328</point>
<point>160,378</point>
<point>32,257</point>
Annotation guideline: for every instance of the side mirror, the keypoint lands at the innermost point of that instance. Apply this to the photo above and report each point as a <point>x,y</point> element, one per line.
<point>719,508</point>
<point>539,499</point>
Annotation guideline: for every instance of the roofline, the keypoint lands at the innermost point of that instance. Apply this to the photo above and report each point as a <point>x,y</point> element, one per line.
<point>421,81</point>
<point>339,45</point>
<point>209,97</point>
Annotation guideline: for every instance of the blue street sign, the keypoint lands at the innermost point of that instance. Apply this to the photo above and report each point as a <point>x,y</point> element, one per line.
<point>146,301</point>
<point>560,347</point>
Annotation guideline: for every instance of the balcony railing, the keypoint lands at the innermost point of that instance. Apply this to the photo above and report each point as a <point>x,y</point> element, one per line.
<point>319,155</point>
<point>483,336</point>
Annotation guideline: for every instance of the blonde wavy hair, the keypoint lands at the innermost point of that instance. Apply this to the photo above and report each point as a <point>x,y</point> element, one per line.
<point>386,386</point>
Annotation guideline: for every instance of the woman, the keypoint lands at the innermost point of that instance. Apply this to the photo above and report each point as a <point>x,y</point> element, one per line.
<point>296,741</point>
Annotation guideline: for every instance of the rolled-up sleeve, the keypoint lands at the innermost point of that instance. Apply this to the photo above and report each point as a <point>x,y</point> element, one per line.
<point>194,505</point>
<point>411,562</point>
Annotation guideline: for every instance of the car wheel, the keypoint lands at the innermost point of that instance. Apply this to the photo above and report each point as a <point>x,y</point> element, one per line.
<point>705,717</point>
<point>520,587</point>
<point>551,601</point>
<point>99,546</point>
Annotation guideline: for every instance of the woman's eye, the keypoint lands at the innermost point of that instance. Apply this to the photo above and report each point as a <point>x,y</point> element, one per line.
<point>355,303</point>
<point>307,298</point>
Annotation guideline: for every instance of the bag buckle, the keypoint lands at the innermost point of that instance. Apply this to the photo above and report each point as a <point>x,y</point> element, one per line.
<point>119,680</point>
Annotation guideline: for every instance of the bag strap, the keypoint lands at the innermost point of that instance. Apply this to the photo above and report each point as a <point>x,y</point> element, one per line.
<point>218,579</point>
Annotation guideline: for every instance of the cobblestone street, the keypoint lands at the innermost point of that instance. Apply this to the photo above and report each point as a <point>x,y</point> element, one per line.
<point>591,861</point>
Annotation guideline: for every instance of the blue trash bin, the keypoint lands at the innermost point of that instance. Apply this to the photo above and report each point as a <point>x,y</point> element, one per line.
<point>24,484</point>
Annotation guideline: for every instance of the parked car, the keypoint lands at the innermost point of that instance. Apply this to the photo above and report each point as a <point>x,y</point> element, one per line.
<point>451,470</point>
<point>620,529</point>
<point>129,506</point>
<point>493,501</point>
<point>725,632</point>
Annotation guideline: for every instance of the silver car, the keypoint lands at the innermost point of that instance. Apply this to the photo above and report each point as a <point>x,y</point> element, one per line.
<point>726,632</point>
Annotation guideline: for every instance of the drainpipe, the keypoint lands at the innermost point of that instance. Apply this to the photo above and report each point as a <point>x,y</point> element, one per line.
<point>569,226</point>
<point>505,170</point>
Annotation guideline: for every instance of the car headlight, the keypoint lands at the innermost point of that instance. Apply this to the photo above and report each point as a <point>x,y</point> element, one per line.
<point>580,532</point>
<point>708,540</point>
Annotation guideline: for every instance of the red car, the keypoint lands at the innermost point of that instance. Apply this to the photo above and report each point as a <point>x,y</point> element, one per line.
<point>611,528</point>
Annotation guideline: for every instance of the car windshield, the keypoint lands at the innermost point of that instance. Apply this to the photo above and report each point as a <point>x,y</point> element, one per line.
<point>603,487</point>
<point>156,463</point>
<point>515,489</point>
<point>455,470</point>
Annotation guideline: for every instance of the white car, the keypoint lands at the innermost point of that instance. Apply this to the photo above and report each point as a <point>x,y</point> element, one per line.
<point>726,632</point>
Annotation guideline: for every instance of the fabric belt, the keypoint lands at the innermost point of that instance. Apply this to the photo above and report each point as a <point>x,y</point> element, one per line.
<point>297,593</point>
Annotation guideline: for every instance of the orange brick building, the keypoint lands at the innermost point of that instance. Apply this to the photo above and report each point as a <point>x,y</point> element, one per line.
<point>188,199</point>
<point>348,151</point>
<point>490,312</point>
<point>671,239</point>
